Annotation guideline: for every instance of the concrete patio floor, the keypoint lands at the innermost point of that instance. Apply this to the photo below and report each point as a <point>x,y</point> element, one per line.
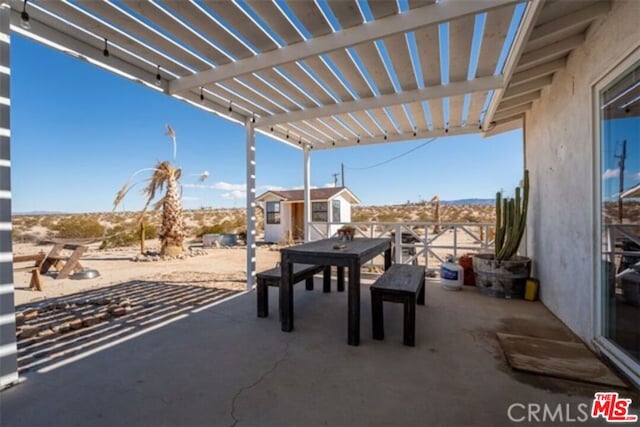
<point>223,366</point>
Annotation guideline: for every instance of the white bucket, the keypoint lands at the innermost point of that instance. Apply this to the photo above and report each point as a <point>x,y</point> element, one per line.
<point>451,275</point>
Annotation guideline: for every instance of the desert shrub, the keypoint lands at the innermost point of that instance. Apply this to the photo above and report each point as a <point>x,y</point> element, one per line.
<point>22,237</point>
<point>78,227</point>
<point>386,217</point>
<point>25,221</point>
<point>425,216</point>
<point>199,217</point>
<point>121,236</point>
<point>359,217</point>
<point>48,221</point>
<point>210,229</point>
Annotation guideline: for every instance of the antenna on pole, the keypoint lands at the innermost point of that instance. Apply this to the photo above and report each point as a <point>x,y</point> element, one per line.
<point>621,160</point>
<point>335,179</point>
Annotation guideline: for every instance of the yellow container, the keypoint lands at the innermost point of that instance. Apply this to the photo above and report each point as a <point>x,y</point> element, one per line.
<point>531,289</point>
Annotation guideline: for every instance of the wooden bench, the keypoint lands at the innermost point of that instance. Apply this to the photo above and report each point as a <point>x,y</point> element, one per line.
<point>400,283</point>
<point>38,258</point>
<point>300,272</point>
<point>64,264</point>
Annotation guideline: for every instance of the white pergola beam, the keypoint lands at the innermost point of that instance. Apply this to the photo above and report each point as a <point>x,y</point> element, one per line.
<point>554,50</point>
<point>307,193</point>
<point>565,24</point>
<point>76,47</point>
<point>251,203</point>
<point>519,100</point>
<point>416,18</point>
<point>402,137</point>
<point>43,33</point>
<point>532,86</point>
<point>526,27</point>
<point>505,125</point>
<point>506,113</point>
<point>537,72</point>
<point>482,84</point>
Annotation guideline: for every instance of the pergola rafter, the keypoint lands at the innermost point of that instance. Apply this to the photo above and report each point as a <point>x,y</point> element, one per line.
<point>481,84</point>
<point>335,72</point>
<point>428,15</point>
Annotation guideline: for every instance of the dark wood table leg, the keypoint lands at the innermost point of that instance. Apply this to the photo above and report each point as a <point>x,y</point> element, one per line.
<point>340,279</point>
<point>387,259</point>
<point>354,304</point>
<point>286,295</point>
<point>326,279</point>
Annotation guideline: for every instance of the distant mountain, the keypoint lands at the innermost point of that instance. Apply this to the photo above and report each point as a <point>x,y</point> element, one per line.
<point>468,202</point>
<point>39,213</point>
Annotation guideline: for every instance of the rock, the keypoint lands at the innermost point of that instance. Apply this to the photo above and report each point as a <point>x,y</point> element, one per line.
<point>19,318</point>
<point>46,333</point>
<point>30,314</point>
<point>118,311</point>
<point>90,321</point>
<point>76,323</point>
<point>125,302</point>
<point>63,327</point>
<point>128,309</point>
<point>29,331</point>
<point>103,315</point>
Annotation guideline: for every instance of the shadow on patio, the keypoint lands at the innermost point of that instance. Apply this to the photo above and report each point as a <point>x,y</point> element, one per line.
<point>224,366</point>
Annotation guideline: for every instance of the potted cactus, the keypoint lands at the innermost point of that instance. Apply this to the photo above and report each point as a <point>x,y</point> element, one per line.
<point>503,274</point>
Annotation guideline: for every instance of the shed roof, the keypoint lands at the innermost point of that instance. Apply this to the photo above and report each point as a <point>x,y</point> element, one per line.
<point>329,73</point>
<point>316,194</point>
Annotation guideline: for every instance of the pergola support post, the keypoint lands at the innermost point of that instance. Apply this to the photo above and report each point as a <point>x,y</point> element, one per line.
<point>307,194</point>
<point>251,203</point>
<point>8,348</point>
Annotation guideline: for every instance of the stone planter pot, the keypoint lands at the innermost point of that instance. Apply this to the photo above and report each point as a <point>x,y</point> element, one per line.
<point>501,279</point>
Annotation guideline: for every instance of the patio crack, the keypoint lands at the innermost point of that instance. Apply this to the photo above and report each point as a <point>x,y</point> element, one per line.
<point>257,382</point>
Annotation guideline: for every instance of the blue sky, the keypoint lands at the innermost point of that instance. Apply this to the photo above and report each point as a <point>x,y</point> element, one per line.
<point>79,132</point>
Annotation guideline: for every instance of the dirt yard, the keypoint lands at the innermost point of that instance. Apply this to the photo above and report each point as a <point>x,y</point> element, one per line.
<point>215,267</point>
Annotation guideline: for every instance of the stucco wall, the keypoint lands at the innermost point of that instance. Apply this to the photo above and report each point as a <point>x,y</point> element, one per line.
<point>560,156</point>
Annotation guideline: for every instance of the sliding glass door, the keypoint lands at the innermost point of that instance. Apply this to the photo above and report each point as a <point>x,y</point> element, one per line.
<point>619,139</point>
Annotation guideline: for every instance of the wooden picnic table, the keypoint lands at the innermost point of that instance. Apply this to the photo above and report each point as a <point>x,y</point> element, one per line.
<point>38,259</point>
<point>64,264</point>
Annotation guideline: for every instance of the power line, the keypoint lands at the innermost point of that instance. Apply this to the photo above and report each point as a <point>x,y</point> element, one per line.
<point>395,157</point>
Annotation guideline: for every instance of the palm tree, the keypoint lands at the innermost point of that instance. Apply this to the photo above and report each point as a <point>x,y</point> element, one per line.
<point>172,230</point>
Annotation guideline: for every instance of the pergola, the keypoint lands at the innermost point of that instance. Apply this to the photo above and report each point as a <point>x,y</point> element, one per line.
<point>315,75</point>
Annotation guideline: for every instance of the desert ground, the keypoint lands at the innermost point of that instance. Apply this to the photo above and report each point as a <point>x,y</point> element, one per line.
<point>114,246</point>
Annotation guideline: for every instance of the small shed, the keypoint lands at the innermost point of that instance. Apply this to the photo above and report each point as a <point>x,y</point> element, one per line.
<point>284,211</point>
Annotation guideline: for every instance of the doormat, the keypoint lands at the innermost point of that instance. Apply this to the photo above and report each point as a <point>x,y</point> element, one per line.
<point>560,359</point>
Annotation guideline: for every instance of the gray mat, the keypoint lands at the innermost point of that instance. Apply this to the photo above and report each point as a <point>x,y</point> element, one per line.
<point>561,359</point>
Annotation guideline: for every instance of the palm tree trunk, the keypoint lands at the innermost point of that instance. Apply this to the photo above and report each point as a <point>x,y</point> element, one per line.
<point>172,233</point>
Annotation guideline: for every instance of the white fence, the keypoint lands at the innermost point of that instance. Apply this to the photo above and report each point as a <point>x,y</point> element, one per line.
<point>424,243</point>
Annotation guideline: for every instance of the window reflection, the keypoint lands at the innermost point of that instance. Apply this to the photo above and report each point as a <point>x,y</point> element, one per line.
<point>620,210</point>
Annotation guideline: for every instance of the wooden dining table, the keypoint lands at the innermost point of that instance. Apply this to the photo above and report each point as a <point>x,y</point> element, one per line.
<point>331,252</point>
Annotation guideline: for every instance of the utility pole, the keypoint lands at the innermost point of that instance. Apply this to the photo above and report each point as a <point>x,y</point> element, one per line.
<point>335,179</point>
<point>621,160</point>
<point>342,173</point>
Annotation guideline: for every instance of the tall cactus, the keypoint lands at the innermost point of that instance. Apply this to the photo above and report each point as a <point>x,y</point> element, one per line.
<point>511,219</point>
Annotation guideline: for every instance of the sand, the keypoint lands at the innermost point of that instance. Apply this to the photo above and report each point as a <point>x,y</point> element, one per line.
<point>218,267</point>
